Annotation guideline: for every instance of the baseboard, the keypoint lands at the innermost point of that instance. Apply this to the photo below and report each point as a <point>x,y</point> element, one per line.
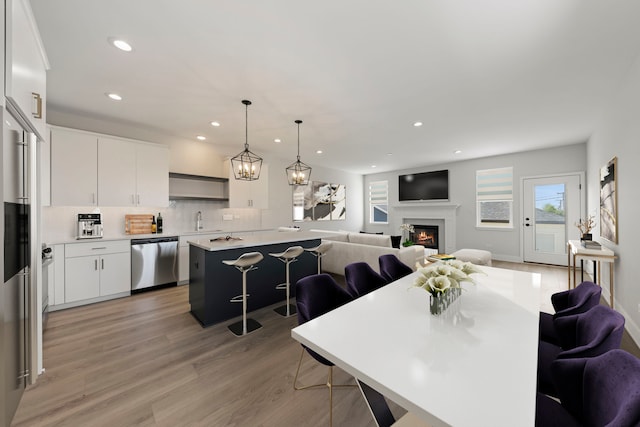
<point>632,327</point>
<point>506,258</point>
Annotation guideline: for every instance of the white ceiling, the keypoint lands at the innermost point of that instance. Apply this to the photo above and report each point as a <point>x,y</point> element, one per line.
<point>486,77</point>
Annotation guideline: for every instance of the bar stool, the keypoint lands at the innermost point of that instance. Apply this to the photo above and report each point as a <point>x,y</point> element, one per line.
<point>245,263</point>
<point>319,251</point>
<point>288,256</point>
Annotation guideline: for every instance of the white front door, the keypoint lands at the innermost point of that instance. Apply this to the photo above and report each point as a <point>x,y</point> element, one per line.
<point>551,207</point>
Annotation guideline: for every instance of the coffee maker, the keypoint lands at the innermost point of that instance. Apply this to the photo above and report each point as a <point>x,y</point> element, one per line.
<point>89,226</point>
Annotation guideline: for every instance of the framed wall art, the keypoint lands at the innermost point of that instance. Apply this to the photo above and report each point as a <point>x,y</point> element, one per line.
<point>319,201</point>
<point>609,201</point>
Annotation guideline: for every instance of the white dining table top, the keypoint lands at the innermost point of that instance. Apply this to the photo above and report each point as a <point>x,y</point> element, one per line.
<point>475,365</point>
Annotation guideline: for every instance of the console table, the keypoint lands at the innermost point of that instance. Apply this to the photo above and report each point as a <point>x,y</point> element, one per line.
<point>575,251</point>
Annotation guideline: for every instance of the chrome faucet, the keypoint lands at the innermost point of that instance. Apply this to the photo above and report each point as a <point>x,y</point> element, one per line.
<point>199,221</point>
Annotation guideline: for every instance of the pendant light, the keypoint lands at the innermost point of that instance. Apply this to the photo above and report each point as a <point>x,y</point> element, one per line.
<point>298,173</point>
<point>246,165</point>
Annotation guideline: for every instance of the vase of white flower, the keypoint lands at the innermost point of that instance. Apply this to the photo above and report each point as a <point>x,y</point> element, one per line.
<point>409,229</point>
<point>440,301</point>
<point>442,281</point>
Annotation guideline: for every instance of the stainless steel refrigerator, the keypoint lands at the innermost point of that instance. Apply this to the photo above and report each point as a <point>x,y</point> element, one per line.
<point>16,296</point>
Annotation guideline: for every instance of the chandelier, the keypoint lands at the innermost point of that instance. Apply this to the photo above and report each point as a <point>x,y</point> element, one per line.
<point>246,165</point>
<point>298,173</point>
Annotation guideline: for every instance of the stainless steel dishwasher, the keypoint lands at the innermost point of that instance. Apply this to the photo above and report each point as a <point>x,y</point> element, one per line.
<point>154,262</point>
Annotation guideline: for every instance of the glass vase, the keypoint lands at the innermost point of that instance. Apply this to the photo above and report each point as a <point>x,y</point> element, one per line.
<point>439,302</point>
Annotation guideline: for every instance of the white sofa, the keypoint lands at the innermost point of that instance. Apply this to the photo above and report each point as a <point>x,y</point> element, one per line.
<point>347,248</point>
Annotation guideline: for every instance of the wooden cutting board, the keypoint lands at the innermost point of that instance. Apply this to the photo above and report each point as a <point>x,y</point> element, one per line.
<point>137,223</point>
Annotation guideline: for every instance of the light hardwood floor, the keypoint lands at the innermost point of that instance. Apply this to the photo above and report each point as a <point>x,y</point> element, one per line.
<point>145,361</point>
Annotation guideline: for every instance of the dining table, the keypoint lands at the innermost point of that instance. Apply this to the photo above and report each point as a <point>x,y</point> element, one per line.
<point>473,365</point>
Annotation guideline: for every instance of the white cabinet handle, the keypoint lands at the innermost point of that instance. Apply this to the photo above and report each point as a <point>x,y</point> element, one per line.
<point>37,113</point>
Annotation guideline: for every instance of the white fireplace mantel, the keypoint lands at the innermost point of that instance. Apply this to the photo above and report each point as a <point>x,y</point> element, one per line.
<point>429,211</point>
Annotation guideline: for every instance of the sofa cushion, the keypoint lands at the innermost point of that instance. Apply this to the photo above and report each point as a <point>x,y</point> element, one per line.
<point>370,239</point>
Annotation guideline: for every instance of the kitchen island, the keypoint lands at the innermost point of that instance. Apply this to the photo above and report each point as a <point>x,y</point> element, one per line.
<point>212,284</point>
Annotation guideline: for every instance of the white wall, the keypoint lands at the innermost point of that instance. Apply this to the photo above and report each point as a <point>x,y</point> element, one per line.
<point>618,134</point>
<point>504,244</point>
<point>280,212</point>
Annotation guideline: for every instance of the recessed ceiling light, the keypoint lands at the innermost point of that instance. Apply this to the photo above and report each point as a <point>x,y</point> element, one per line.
<point>201,138</point>
<point>121,44</point>
<point>114,96</point>
<point>389,154</point>
<point>318,151</point>
<point>457,152</point>
<point>215,124</point>
<point>374,166</point>
<point>277,140</point>
<point>417,124</point>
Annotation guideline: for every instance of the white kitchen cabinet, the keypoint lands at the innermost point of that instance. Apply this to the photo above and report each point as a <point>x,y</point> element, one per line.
<point>132,174</point>
<point>116,172</point>
<point>74,168</point>
<point>89,169</point>
<point>250,194</point>
<point>152,179</point>
<point>96,271</point>
<point>25,64</point>
<point>82,278</point>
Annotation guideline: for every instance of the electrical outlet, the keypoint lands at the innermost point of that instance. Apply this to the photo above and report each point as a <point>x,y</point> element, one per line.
<point>227,217</point>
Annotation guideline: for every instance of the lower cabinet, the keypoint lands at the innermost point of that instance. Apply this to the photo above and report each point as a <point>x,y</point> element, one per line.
<point>97,269</point>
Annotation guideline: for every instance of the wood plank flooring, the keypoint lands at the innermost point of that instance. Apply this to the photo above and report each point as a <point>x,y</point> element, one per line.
<point>145,361</point>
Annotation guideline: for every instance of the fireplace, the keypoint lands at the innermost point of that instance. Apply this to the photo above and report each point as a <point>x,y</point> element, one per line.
<point>425,235</point>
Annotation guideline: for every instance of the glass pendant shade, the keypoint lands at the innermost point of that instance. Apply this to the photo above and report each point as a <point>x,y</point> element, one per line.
<point>298,173</point>
<point>246,165</point>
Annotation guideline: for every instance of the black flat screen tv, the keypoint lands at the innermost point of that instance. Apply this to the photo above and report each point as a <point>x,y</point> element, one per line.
<point>424,186</point>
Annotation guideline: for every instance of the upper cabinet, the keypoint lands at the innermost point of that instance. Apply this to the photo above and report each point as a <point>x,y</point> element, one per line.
<point>74,168</point>
<point>250,194</point>
<point>132,174</point>
<point>89,170</point>
<point>25,65</point>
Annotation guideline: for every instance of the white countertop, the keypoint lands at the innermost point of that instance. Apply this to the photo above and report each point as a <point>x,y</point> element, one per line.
<point>473,366</point>
<point>259,239</point>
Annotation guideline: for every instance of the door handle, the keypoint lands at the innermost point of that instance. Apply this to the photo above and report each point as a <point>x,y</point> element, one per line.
<point>95,262</point>
<point>102,262</point>
<point>37,98</point>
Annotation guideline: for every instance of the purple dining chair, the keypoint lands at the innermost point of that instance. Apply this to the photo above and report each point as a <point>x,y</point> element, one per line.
<point>566,303</point>
<point>593,392</point>
<point>588,334</point>
<point>391,268</point>
<point>362,279</point>
<point>316,295</point>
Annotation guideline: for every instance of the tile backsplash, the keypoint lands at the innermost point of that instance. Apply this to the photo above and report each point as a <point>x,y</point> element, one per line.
<point>59,223</point>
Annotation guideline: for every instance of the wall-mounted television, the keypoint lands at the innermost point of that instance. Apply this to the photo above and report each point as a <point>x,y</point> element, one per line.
<point>424,186</point>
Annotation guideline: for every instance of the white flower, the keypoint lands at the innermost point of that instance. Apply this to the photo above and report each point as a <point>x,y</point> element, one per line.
<point>437,278</point>
<point>407,227</point>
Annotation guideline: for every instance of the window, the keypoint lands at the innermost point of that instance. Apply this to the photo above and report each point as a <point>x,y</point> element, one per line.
<point>379,202</point>
<point>494,198</point>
